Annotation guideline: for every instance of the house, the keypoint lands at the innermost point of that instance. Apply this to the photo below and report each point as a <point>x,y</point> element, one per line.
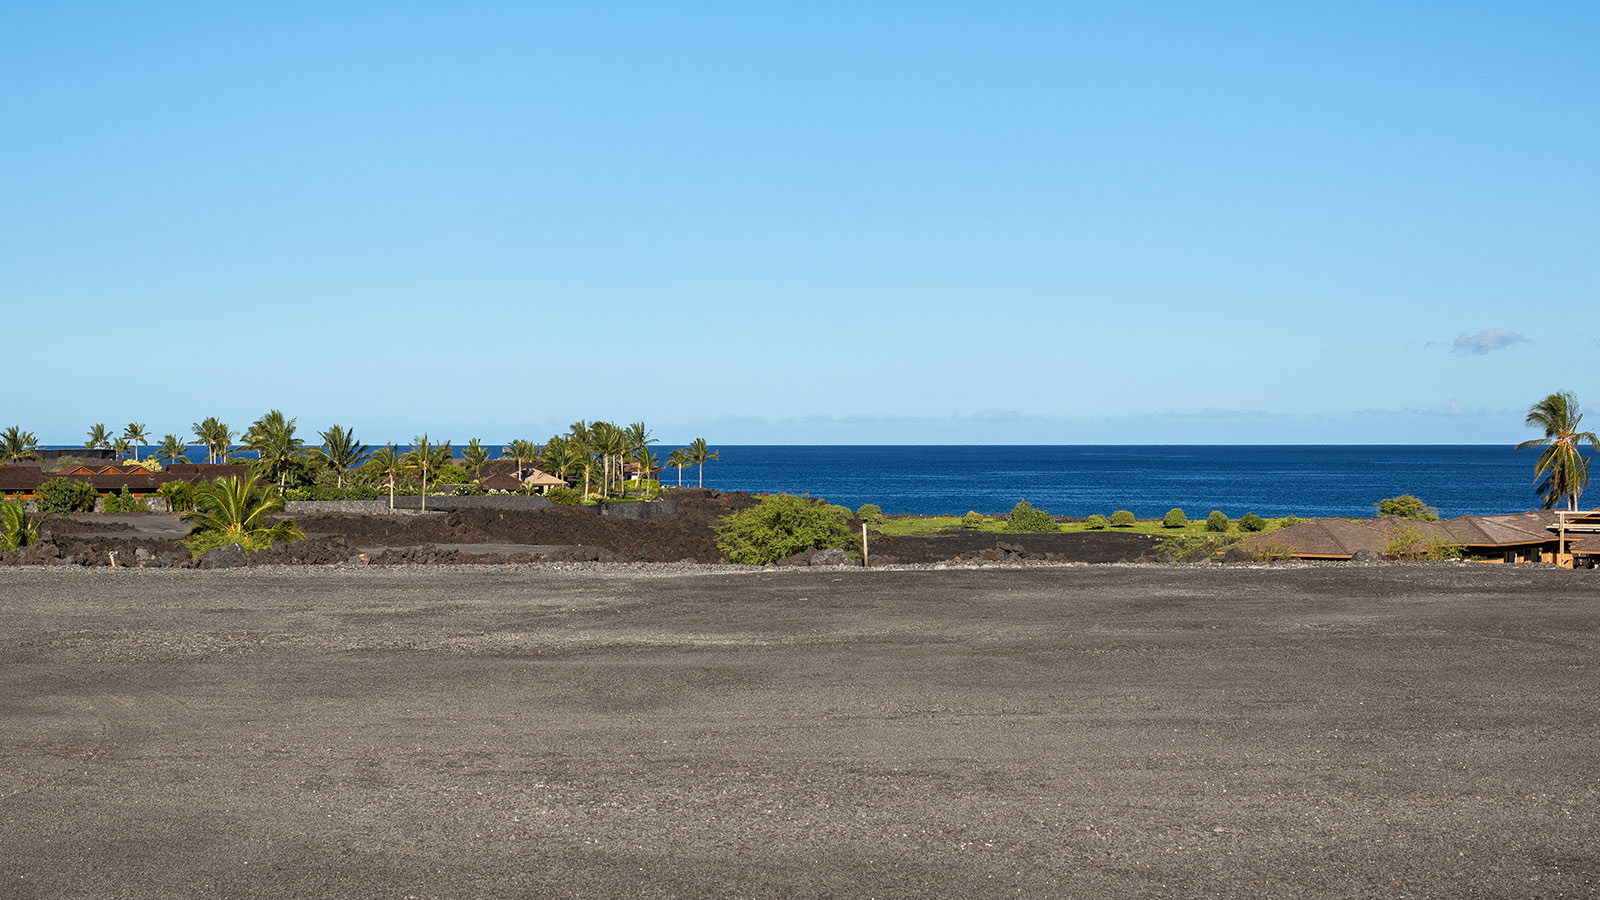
<point>1519,537</point>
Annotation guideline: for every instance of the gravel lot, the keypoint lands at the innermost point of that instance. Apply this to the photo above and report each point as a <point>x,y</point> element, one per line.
<point>675,731</point>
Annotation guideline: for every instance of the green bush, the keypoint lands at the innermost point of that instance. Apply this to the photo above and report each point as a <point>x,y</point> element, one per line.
<point>1407,507</point>
<point>17,528</point>
<point>1217,522</point>
<point>449,475</point>
<point>178,494</point>
<point>1290,521</point>
<point>1024,518</point>
<point>974,520</point>
<point>869,513</point>
<point>333,492</point>
<point>565,496</point>
<point>125,503</point>
<point>1175,519</point>
<point>1404,541</point>
<point>781,526</point>
<point>1252,522</point>
<point>62,495</point>
<point>1095,522</point>
<point>1123,519</point>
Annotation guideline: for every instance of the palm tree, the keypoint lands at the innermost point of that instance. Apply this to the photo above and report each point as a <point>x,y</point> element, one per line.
<point>698,455</point>
<point>421,458</point>
<point>558,457</point>
<point>1564,471</point>
<point>639,441</point>
<point>216,436</point>
<point>523,452</point>
<point>648,462</point>
<point>99,438</point>
<point>172,449</point>
<point>581,441</point>
<point>120,446</point>
<point>678,461</point>
<point>474,456</point>
<point>612,444</point>
<point>388,462</point>
<point>17,445</point>
<point>136,435</point>
<point>17,528</point>
<point>235,510</point>
<point>272,438</point>
<point>342,451</point>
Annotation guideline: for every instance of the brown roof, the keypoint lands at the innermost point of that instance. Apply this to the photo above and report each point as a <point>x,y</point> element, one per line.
<point>1588,546</point>
<point>500,481</point>
<point>21,479</point>
<point>1341,538</point>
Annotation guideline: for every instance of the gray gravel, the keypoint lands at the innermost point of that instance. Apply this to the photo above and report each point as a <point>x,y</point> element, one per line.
<point>586,730</point>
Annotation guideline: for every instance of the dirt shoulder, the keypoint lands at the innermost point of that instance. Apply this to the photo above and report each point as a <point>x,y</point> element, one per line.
<point>1388,731</point>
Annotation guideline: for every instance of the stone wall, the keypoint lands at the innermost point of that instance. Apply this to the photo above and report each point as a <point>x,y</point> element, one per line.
<point>354,507</point>
<point>489,501</point>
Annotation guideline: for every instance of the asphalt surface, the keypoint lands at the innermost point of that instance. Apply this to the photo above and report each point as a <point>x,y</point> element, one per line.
<point>568,731</point>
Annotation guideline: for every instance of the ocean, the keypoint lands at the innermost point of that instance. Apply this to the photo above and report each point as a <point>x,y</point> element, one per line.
<point>1327,480</point>
<point>1273,480</point>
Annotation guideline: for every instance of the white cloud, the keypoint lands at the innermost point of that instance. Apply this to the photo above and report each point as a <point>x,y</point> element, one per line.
<point>1486,341</point>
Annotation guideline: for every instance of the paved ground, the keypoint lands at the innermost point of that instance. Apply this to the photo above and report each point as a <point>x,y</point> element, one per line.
<point>1392,731</point>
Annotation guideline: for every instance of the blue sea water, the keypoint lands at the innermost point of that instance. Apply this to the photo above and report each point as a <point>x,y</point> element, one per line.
<point>1270,480</point>
<point>1337,480</point>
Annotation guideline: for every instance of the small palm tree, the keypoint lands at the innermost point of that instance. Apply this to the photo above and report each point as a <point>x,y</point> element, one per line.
<point>272,438</point>
<point>137,435</point>
<point>677,460</point>
<point>1562,467</point>
<point>699,454</point>
<point>99,437</point>
<point>342,451</point>
<point>172,449</point>
<point>120,447</point>
<point>648,463</point>
<point>387,461</point>
<point>558,457</point>
<point>17,529</point>
<point>580,438</point>
<point>235,510</point>
<point>17,445</point>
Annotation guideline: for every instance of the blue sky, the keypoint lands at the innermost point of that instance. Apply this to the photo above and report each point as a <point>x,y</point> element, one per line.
<point>803,223</point>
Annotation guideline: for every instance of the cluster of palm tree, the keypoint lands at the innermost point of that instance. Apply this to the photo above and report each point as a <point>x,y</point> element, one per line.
<point>601,453</point>
<point>1561,471</point>
<point>17,445</point>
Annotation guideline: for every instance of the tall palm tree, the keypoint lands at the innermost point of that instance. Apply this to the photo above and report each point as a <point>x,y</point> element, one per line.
<point>342,451</point>
<point>236,510</point>
<point>99,437</point>
<point>421,458</point>
<point>273,440</point>
<point>216,436</point>
<point>639,441</point>
<point>612,444</point>
<point>1564,471</point>
<point>581,439</point>
<point>388,462</point>
<point>474,456</point>
<point>17,445</point>
<point>698,455</point>
<point>137,435</point>
<point>558,457</point>
<point>648,462</point>
<point>172,449</point>
<point>678,461</point>
<point>523,452</point>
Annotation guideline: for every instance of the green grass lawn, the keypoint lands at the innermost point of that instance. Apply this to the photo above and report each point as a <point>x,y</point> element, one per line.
<point>915,525</point>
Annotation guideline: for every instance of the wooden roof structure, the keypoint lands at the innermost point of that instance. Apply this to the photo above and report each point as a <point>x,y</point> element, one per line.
<point>1342,538</point>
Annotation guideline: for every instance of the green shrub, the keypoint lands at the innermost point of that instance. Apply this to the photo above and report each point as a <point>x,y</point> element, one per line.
<point>449,475</point>
<point>333,492</point>
<point>1175,519</point>
<point>1195,547</point>
<point>1407,507</point>
<point>1123,519</point>
<point>178,494</point>
<point>869,513</point>
<point>1290,521</point>
<point>1252,522</point>
<point>974,520</point>
<point>125,503</point>
<point>1217,522</point>
<point>62,495</point>
<point>781,526</point>
<point>1095,522</point>
<point>1024,518</point>
<point>565,496</point>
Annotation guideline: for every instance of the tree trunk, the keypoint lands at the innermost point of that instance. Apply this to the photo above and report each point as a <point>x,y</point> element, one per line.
<point>391,492</point>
